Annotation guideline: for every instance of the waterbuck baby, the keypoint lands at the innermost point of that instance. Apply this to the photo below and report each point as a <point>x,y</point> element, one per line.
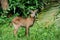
<point>26,22</point>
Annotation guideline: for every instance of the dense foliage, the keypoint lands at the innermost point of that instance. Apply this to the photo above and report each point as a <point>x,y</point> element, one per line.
<point>22,7</point>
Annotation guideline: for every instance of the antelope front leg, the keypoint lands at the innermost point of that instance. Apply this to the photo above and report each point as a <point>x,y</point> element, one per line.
<point>15,32</point>
<point>15,29</point>
<point>27,30</point>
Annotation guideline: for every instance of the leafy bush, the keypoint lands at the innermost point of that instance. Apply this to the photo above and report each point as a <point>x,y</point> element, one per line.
<point>23,6</point>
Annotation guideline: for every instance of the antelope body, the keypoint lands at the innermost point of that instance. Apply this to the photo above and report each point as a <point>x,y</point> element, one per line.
<point>26,22</point>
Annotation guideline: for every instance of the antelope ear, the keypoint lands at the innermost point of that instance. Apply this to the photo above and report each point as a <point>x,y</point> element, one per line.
<point>35,10</point>
<point>31,11</point>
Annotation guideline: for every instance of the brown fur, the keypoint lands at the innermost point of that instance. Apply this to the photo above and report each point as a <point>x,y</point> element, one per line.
<point>4,4</point>
<point>26,22</point>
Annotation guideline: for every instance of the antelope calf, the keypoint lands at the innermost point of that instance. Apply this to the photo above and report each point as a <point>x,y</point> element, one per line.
<point>26,22</point>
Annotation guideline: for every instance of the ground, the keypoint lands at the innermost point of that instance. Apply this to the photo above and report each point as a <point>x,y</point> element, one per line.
<point>46,27</point>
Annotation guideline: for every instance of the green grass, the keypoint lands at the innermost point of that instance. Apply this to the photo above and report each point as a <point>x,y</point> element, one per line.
<point>47,27</point>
